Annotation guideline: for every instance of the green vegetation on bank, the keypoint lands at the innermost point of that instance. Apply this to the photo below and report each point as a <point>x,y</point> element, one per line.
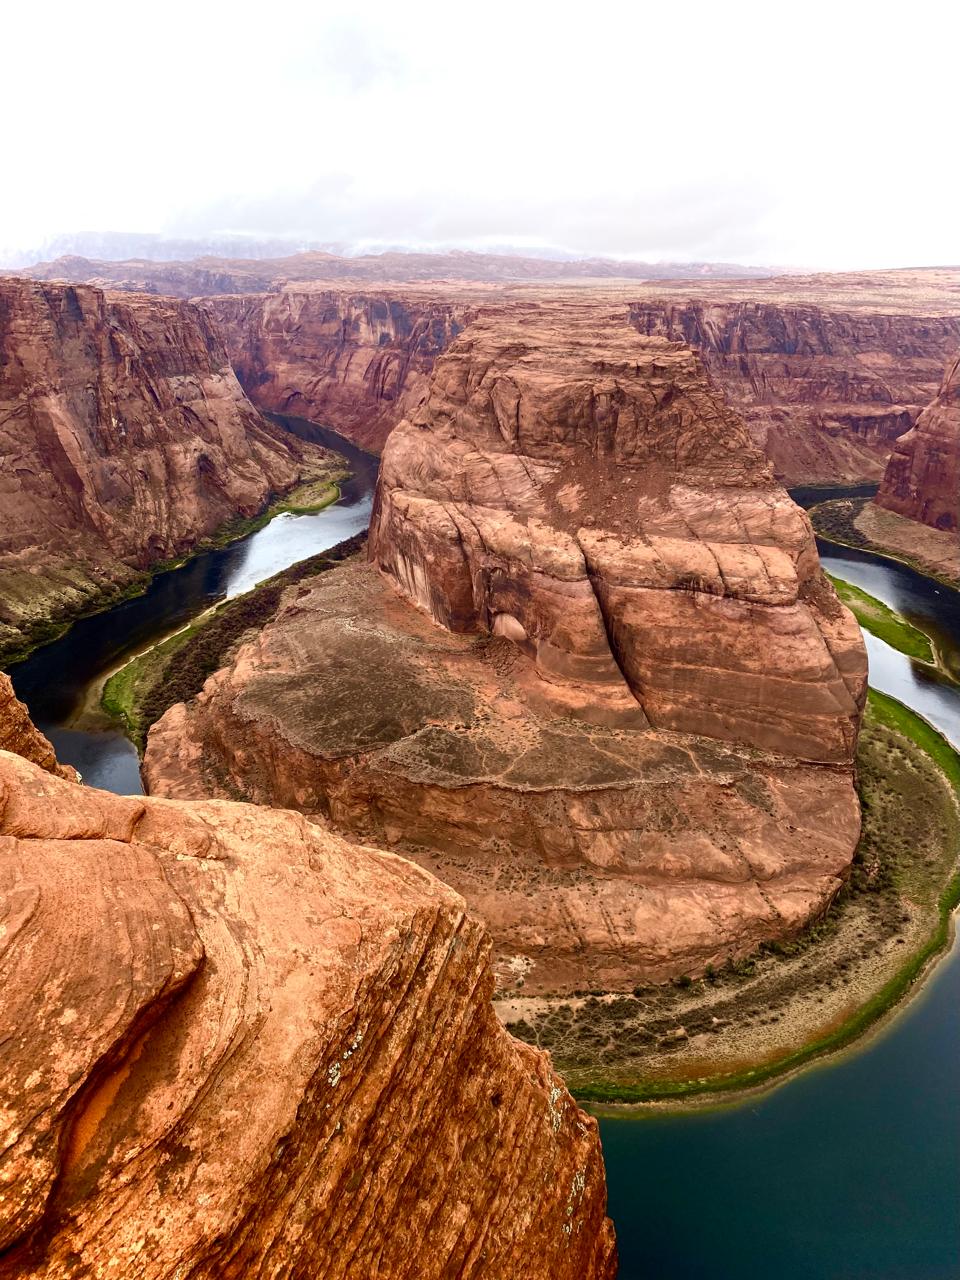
<point>885,623</point>
<point>175,669</point>
<point>305,500</point>
<point>939,889</point>
<point>835,521</point>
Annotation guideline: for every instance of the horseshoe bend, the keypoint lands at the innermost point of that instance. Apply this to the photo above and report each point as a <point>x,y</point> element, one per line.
<point>590,673</point>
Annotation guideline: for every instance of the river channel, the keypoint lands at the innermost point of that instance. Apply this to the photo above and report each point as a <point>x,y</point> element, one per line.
<point>850,1171</point>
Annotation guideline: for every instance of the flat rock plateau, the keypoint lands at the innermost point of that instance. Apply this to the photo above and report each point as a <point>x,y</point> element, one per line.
<point>594,678</point>
<point>125,440</point>
<point>827,370</point>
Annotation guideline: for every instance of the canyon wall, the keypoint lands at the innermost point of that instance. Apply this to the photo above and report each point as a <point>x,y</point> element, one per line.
<point>629,740</point>
<point>922,479</point>
<point>232,1044</point>
<point>125,439</point>
<point>351,361</point>
<point>824,392</point>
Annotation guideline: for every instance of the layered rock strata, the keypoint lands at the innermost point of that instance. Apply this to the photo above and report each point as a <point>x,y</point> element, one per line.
<point>125,439</point>
<point>271,1053</point>
<point>629,740</point>
<point>589,495</point>
<point>922,479</point>
<point>599,854</point>
<point>825,392</point>
<point>353,361</point>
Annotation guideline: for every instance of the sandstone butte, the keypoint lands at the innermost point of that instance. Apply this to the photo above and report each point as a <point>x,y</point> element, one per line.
<point>827,370</point>
<point>594,679</point>
<point>234,1045</point>
<point>922,479</point>
<point>125,439</point>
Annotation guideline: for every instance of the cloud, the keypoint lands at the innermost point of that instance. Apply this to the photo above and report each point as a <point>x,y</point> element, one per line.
<point>745,131</point>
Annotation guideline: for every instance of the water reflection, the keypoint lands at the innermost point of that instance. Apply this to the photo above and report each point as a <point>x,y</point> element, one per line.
<point>60,683</point>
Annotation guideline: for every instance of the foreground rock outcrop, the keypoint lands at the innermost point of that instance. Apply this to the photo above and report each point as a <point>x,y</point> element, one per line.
<point>353,361</point>
<point>629,740</point>
<point>922,479</point>
<point>125,439</point>
<point>232,1044</point>
<point>824,391</point>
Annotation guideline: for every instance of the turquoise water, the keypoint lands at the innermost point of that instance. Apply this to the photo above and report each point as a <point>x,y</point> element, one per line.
<point>851,1170</point>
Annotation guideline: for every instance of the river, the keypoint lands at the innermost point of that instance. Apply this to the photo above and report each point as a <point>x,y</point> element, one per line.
<point>849,1171</point>
<point>60,683</point>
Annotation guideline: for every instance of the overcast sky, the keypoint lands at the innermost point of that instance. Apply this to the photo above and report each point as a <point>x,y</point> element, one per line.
<point>821,134</point>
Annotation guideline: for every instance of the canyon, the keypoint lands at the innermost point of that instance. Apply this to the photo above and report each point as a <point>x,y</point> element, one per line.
<point>827,370</point>
<point>272,1052</point>
<point>826,393</point>
<point>594,678</point>
<point>356,361</point>
<point>125,440</point>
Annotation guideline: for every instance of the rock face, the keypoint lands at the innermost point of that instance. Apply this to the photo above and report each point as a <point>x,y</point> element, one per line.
<point>922,479</point>
<point>349,360</point>
<point>272,1053</point>
<point>590,496</point>
<point>125,438</point>
<point>628,743</point>
<point>20,735</point>
<point>824,392</point>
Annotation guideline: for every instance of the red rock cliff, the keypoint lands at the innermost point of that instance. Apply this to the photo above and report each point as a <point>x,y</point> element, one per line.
<point>353,361</point>
<point>922,479</point>
<point>589,495</point>
<point>629,741</point>
<point>824,392</point>
<point>125,438</point>
<point>232,1044</point>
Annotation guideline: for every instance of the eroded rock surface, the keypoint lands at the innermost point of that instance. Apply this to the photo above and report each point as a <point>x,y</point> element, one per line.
<point>232,1044</point>
<point>20,735</point>
<point>353,361</point>
<point>588,494</point>
<point>621,719</point>
<point>125,439</point>
<point>922,479</point>
<point>600,855</point>
<point>825,392</point>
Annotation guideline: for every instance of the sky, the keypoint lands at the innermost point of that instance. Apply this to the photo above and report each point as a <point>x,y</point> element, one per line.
<point>822,135</point>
